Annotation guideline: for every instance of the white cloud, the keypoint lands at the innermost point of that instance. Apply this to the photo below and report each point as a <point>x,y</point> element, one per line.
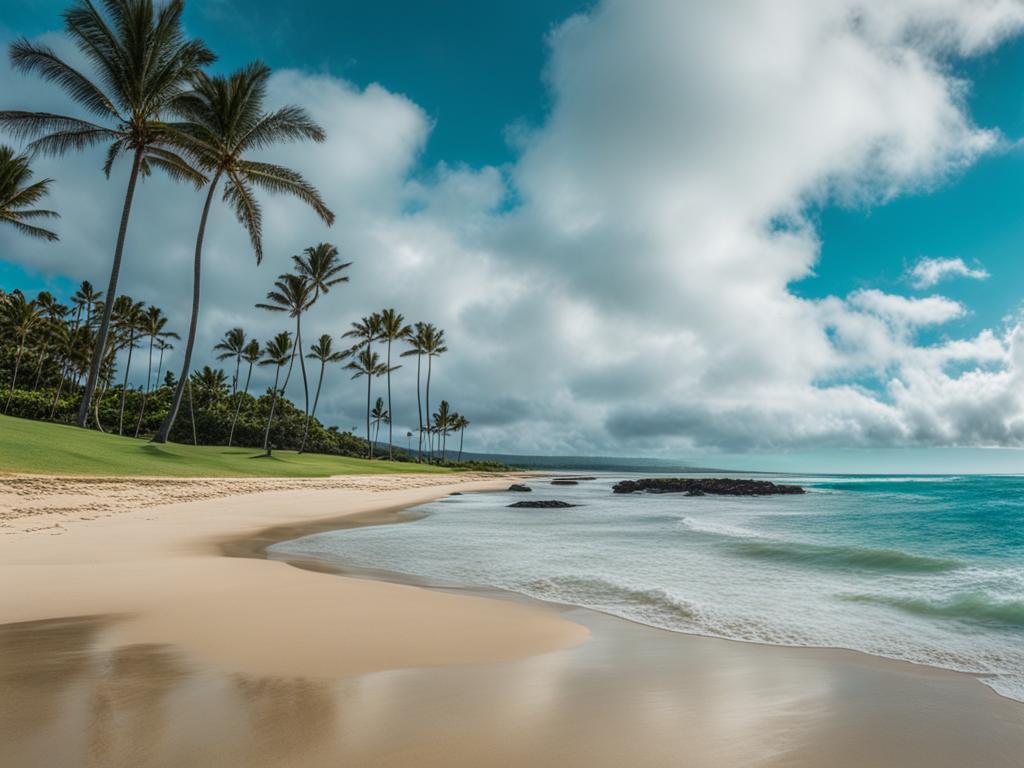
<point>928,272</point>
<point>638,297</point>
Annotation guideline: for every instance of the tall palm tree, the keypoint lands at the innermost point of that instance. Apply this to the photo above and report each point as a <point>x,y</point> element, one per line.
<point>322,268</point>
<point>443,425</point>
<point>142,63</point>
<point>323,350</point>
<point>277,352</point>
<point>224,121</point>
<point>153,327</point>
<point>459,424</point>
<point>416,347</point>
<point>392,328</point>
<point>367,330</point>
<point>379,414</point>
<point>20,317</point>
<point>18,196</point>
<point>129,320</point>
<point>232,345</point>
<point>291,294</point>
<point>433,346</point>
<point>76,347</point>
<point>53,314</point>
<point>368,364</point>
<point>251,354</point>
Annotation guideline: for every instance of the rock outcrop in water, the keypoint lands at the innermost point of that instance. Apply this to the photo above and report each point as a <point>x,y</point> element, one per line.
<point>716,486</point>
<point>565,481</point>
<point>542,505</point>
<point>520,488</point>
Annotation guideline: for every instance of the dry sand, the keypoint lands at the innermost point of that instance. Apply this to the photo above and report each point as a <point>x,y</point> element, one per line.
<point>137,643</point>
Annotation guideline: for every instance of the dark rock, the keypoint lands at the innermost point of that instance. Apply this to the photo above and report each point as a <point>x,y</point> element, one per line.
<point>455,493</point>
<point>542,505</point>
<point>565,481</point>
<point>717,486</point>
<point>520,488</point>
<point>579,477</point>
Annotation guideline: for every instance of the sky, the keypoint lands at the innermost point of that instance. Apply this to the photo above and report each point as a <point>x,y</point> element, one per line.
<point>780,234</point>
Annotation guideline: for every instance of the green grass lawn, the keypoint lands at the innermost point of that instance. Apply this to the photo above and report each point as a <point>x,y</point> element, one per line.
<point>56,449</point>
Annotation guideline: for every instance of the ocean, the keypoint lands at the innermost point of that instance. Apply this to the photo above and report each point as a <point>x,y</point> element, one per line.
<point>928,569</point>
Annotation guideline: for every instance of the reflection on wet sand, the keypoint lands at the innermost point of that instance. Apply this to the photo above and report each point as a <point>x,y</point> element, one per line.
<point>632,696</point>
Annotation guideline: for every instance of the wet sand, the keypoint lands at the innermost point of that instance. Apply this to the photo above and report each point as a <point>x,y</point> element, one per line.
<point>266,664</point>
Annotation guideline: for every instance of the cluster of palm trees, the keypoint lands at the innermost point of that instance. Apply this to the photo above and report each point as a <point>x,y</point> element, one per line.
<point>148,98</point>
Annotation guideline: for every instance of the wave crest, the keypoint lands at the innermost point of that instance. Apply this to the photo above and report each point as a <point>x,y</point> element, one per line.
<point>974,607</point>
<point>844,557</point>
<point>648,605</point>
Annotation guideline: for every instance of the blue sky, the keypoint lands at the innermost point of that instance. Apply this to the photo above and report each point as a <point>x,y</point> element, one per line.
<point>609,106</point>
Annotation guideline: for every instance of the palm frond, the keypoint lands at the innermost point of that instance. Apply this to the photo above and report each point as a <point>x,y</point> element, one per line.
<point>289,123</point>
<point>239,194</point>
<point>281,180</point>
<point>30,230</point>
<point>41,60</point>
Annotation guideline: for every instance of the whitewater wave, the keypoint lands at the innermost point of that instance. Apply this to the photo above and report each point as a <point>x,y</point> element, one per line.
<point>844,557</point>
<point>972,607</point>
<point>651,606</point>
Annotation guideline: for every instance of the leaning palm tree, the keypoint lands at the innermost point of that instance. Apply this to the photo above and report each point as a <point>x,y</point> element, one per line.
<point>323,351</point>
<point>251,354</point>
<point>18,197</point>
<point>392,329</point>
<point>142,63</point>
<point>224,121</point>
<point>163,345</point>
<point>368,364</point>
<point>433,346</point>
<point>277,352</point>
<point>459,424</point>
<point>416,347</point>
<point>232,345</point>
<point>20,317</point>
<point>154,324</point>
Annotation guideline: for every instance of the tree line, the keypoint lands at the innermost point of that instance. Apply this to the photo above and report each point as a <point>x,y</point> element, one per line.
<point>150,100</point>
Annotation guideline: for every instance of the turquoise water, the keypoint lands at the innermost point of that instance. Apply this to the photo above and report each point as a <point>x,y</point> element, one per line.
<point>926,569</point>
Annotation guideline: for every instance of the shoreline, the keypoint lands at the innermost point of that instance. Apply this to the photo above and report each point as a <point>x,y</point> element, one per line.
<point>426,676</point>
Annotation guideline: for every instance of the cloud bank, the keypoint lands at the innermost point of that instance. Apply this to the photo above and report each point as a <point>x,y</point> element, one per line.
<point>927,272</point>
<point>626,284</point>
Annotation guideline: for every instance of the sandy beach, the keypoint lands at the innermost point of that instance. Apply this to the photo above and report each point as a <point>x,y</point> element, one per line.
<point>142,627</point>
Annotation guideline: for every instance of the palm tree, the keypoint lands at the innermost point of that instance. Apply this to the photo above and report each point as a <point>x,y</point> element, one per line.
<point>321,267</point>
<point>17,196</point>
<point>379,414</point>
<point>251,353</point>
<point>433,346</point>
<point>459,424</point>
<point>163,345</point>
<point>322,350</point>
<point>129,320</point>
<point>415,340</point>
<point>153,327</point>
<point>223,122</point>
<point>21,317</point>
<point>368,364</point>
<point>291,294</point>
<point>277,352</point>
<point>76,347</point>
<point>54,313</point>
<point>392,329</point>
<point>232,345</point>
<point>143,63</point>
<point>367,330</point>
<point>443,425</point>
<point>84,299</point>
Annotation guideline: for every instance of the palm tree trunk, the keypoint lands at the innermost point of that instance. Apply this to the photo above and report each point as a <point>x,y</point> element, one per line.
<point>462,436</point>
<point>39,368</point>
<point>192,412</point>
<point>391,437</point>
<point>419,407</point>
<point>159,367</point>
<point>17,364</point>
<point>108,307</point>
<point>165,428</point>
<point>238,368</point>
<point>238,407</point>
<point>145,396</point>
<point>369,442</point>
<point>430,434</point>
<point>124,386</point>
<point>56,396</point>
<point>316,398</point>
<point>270,420</point>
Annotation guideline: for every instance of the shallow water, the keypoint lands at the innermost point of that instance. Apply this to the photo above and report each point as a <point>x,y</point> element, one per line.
<point>926,569</point>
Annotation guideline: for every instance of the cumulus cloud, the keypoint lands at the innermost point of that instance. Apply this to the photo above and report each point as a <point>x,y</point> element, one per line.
<point>637,296</point>
<point>928,272</point>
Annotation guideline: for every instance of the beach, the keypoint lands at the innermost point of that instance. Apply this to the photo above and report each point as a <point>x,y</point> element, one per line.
<point>143,625</point>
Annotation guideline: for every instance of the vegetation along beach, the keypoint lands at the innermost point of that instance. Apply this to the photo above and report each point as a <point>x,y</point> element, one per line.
<point>556,383</point>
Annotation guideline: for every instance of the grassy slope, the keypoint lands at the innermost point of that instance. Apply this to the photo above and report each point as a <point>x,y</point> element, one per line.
<point>54,449</point>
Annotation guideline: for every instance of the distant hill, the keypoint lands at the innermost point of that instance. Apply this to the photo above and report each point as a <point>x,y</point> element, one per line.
<point>588,463</point>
